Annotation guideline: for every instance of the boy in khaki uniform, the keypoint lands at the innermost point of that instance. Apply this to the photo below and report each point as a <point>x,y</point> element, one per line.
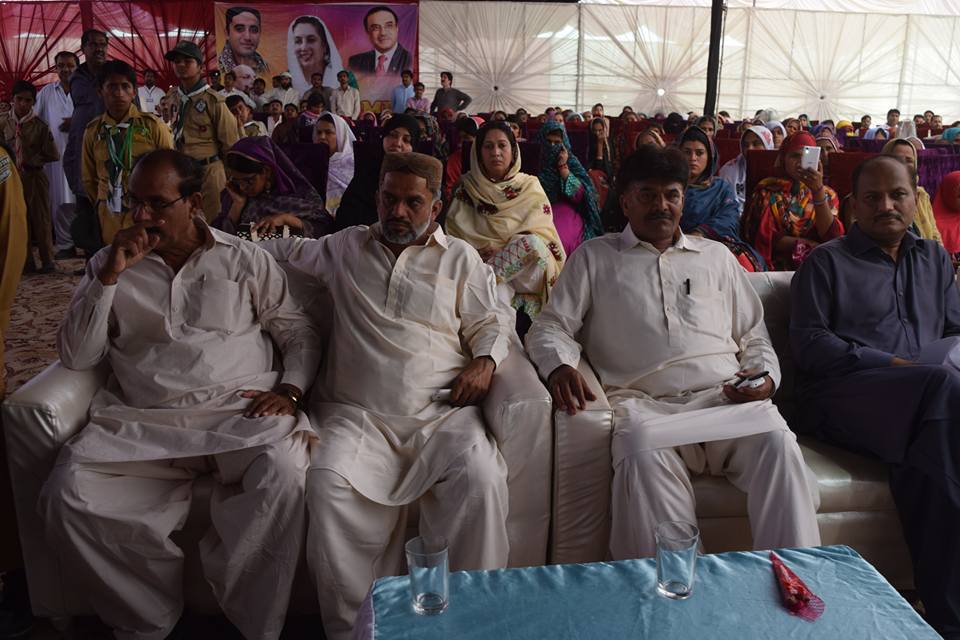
<point>204,128</point>
<point>113,142</point>
<point>32,142</point>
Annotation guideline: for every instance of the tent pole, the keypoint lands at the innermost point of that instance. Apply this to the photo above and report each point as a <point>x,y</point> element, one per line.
<point>578,96</point>
<point>713,62</point>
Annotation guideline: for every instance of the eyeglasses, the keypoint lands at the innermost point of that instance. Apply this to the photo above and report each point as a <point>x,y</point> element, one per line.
<point>153,205</point>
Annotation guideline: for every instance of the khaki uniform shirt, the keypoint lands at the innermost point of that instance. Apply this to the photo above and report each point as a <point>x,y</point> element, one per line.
<point>209,129</point>
<point>149,133</point>
<point>39,147</point>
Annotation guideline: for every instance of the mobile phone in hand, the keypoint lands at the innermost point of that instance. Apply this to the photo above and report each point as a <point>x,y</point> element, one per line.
<point>810,158</point>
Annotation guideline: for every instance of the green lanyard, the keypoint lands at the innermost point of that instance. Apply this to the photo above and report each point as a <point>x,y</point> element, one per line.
<point>121,158</point>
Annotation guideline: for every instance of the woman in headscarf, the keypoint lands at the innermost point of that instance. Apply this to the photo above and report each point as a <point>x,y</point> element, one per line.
<point>946,210</point>
<point>601,159</point>
<point>877,133</point>
<point>779,132</point>
<point>925,225</point>
<point>333,131</point>
<point>735,171</point>
<point>793,212</point>
<point>710,207</point>
<point>267,192</point>
<point>507,217</point>
<point>430,130</point>
<point>828,145</point>
<point>576,213</point>
<point>359,202</point>
<point>310,50</point>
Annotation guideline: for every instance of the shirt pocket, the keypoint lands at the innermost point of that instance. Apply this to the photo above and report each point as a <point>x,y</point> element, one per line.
<point>706,312</point>
<point>216,304</point>
<point>431,300</point>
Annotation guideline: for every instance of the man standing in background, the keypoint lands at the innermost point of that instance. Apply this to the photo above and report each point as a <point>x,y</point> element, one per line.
<point>447,97</point>
<point>402,92</point>
<point>87,105</point>
<point>55,107</point>
<point>149,94</point>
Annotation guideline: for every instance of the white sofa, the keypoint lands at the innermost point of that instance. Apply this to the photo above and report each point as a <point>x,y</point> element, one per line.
<point>856,507</point>
<point>52,407</point>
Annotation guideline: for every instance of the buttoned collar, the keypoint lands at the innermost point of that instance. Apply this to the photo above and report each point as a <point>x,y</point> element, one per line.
<point>132,114</point>
<point>629,240</point>
<point>860,243</point>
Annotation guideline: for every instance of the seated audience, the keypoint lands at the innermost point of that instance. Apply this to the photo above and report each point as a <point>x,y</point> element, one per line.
<point>828,145</point>
<point>265,192</point>
<point>650,135</point>
<point>876,133</point>
<point>316,105</point>
<point>464,132</point>
<point>868,315</point>
<point>755,137</point>
<point>274,115</point>
<point>576,214</point>
<point>946,211</point>
<point>387,442</point>
<point>506,216</point>
<point>708,125</point>
<point>333,131</point>
<point>667,344</point>
<point>865,124</point>
<point>791,213</point>
<point>359,202</point>
<point>187,318</point>
<point>710,206</point>
<point>924,222</point>
<point>792,126</point>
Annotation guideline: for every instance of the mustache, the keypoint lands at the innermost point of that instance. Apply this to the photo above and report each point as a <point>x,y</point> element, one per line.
<point>888,214</point>
<point>659,215</point>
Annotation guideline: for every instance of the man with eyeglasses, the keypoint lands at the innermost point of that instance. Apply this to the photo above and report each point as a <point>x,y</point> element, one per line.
<point>111,144</point>
<point>187,318</point>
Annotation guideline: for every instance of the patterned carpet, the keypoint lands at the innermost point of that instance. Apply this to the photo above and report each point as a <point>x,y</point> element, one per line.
<point>39,307</point>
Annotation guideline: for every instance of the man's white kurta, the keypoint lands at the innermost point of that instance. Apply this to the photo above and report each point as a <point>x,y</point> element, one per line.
<point>182,347</point>
<point>664,332</point>
<point>402,328</point>
<point>53,105</point>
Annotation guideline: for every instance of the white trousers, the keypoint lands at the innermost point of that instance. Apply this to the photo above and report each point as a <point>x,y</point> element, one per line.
<point>352,540</point>
<point>652,486</point>
<point>111,525</point>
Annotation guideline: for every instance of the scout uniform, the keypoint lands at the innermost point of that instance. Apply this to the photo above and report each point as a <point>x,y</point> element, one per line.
<point>204,129</point>
<point>110,149</point>
<point>32,142</point>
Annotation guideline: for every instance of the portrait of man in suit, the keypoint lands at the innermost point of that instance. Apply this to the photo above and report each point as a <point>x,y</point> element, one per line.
<point>388,56</point>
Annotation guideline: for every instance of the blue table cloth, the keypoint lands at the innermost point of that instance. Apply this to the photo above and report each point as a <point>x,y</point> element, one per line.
<point>735,596</point>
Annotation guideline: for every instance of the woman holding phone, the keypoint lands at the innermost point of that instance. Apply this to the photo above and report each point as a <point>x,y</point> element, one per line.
<point>793,212</point>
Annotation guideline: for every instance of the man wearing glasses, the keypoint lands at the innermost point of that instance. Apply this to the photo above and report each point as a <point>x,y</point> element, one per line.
<point>188,319</point>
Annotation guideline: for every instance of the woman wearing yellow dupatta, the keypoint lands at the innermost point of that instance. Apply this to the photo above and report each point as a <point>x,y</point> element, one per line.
<point>13,245</point>
<point>507,217</point>
<point>926,224</point>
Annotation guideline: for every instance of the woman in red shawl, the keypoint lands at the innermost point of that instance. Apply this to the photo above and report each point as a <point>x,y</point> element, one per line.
<point>793,212</point>
<point>946,211</point>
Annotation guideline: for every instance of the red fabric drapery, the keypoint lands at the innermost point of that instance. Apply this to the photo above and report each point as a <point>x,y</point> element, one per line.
<point>31,34</point>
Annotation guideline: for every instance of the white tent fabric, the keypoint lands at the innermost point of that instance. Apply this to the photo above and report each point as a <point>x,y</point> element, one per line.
<point>793,56</point>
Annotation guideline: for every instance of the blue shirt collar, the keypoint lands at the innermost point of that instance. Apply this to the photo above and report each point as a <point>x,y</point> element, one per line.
<point>860,243</point>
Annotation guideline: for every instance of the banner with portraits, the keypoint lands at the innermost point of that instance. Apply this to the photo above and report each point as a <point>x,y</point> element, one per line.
<point>374,42</point>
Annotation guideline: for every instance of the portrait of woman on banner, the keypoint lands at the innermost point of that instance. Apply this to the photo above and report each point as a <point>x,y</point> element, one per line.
<point>310,50</point>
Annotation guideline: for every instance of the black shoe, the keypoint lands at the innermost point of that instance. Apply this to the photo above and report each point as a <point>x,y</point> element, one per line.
<point>48,267</point>
<point>66,254</point>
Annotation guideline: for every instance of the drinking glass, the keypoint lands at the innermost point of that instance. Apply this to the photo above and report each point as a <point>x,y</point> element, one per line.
<point>677,545</point>
<point>429,574</point>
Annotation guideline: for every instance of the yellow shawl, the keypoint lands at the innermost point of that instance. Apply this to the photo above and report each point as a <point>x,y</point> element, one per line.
<point>490,214</point>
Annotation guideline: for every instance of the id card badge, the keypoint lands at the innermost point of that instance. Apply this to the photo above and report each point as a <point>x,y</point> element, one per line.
<point>115,199</point>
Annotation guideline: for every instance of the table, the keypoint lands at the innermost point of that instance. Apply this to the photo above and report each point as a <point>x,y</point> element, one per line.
<point>735,596</point>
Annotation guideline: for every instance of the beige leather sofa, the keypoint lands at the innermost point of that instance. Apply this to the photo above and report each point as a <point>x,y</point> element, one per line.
<point>52,407</point>
<point>856,507</point>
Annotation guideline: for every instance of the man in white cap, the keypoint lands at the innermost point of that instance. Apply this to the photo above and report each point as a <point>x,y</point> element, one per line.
<point>285,93</point>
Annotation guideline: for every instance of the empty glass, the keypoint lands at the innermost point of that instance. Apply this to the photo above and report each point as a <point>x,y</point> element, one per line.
<point>429,574</point>
<point>677,545</point>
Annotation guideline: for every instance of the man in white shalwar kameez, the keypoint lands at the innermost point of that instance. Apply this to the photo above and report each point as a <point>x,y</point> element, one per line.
<point>413,312</point>
<point>55,107</point>
<point>667,320</point>
<point>184,315</point>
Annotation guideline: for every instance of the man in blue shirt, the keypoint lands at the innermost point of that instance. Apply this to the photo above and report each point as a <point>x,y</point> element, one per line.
<point>402,93</point>
<point>866,308</point>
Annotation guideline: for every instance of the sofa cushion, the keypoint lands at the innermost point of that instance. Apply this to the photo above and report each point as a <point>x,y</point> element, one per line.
<point>847,482</point>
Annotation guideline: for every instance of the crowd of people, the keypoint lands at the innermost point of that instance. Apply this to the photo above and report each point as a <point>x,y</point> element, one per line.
<point>438,253</point>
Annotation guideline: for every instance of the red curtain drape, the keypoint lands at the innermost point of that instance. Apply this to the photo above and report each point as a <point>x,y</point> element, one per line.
<point>31,34</point>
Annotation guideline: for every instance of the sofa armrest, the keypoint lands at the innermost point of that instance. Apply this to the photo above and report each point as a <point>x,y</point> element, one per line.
<point>37,419</point>
<point>517,411</point>
<point>582,474</point>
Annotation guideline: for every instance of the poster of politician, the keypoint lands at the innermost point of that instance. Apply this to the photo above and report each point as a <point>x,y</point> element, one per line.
<point>375,42</point>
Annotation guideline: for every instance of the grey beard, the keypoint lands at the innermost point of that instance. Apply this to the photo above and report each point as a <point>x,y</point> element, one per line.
<point>406,237</point>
